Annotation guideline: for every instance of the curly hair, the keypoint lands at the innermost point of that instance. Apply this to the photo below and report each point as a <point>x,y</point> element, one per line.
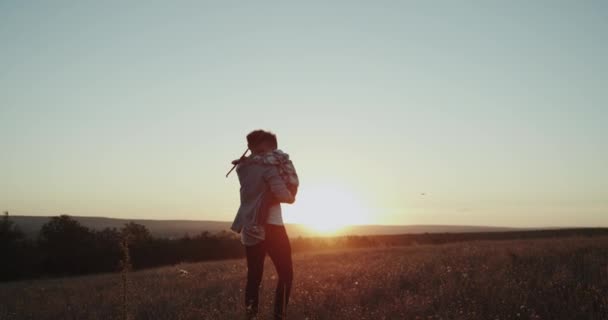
<point>260,136</point>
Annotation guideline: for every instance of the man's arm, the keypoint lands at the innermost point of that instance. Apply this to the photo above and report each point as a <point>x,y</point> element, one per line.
<point>277,186</point>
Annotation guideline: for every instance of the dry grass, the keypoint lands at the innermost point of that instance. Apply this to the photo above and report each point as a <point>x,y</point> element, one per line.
<point>536,279</point>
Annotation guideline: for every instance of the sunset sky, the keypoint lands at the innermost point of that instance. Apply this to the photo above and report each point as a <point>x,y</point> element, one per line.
<point>395,112</point>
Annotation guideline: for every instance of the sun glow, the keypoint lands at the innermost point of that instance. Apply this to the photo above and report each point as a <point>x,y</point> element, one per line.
<point>327,208</point>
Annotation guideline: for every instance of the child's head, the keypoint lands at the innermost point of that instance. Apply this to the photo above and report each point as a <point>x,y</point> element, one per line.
<point>260,141</point>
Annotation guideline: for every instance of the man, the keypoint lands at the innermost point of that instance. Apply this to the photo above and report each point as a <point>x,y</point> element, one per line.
<point>258,181</point>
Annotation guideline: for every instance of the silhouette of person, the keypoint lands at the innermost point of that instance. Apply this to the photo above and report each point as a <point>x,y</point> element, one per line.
<point>259,219</point>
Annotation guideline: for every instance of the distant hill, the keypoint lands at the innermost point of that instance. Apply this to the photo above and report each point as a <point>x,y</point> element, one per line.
<point>178,228</point>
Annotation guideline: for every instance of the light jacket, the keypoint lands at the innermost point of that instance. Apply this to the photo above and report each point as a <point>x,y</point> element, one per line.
<point>256,181</point>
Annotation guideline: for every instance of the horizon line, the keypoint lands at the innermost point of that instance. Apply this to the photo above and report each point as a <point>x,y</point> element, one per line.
<point>304,224</point>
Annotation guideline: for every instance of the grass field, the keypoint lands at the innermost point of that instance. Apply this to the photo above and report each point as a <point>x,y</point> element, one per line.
<point>563,278</point>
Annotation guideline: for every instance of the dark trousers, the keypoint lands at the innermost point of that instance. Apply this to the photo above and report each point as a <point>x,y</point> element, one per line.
<point>276,245</point>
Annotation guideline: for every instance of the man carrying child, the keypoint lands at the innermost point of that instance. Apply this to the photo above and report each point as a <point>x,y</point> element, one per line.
<point>267,178</point>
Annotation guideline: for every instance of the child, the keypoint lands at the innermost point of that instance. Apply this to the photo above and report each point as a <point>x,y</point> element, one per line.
<point>287,172</point>
<point>285,167</point>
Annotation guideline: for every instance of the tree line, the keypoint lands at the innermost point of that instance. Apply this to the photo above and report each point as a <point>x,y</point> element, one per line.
<point>64,247</point>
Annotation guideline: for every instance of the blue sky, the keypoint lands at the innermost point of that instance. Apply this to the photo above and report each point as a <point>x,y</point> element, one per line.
<point>497,111</point>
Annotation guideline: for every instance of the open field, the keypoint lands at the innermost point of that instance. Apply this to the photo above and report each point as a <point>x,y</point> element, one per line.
<point>564,278</point>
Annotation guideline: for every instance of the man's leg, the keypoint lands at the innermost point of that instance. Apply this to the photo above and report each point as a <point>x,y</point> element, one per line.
<point>279,250</point>
<point>255,269</point>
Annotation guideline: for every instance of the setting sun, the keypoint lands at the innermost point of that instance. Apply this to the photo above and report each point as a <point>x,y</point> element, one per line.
<point>326,208</point>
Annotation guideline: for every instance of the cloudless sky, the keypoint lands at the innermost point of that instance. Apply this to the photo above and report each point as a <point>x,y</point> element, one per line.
<point>443,112</point>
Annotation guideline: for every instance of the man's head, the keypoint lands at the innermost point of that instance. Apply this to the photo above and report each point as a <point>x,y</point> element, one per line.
<point>260,141</point>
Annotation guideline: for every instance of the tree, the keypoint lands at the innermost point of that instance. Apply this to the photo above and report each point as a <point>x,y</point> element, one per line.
<point>9,231</point>
<point>141,246</point>
<point>107,249</point>
<point>136,233</point>
<point>14,250</point>
<point>67,246</point>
